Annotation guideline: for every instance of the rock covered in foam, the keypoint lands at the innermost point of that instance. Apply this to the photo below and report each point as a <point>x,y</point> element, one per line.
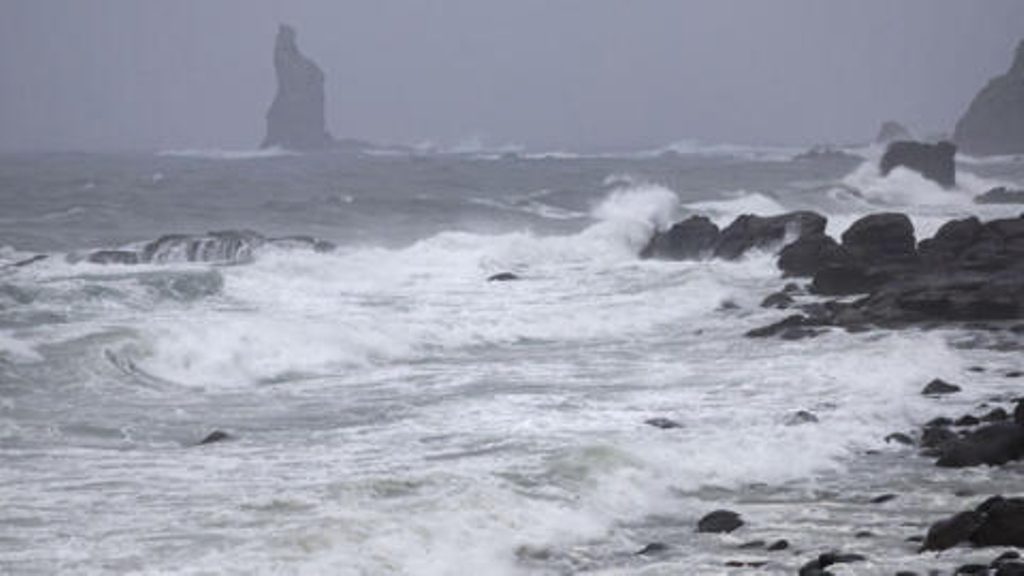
<point>223,247</point>
<point>994,121</point>
<point>296,119</point>
<point>933,161</point>
<point>749,232</point>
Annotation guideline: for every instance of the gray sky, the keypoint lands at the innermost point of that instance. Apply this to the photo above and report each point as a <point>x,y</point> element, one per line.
<point>570,74</point>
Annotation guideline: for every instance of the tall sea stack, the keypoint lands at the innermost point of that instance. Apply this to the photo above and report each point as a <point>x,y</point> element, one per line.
<point>296,117</point>
<point>994,123</point>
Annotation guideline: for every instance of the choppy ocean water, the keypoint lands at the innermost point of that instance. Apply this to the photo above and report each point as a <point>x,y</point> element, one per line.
<point>394,413</point>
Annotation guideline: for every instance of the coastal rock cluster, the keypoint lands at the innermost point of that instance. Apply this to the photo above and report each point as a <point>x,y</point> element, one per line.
<point>969,271</point>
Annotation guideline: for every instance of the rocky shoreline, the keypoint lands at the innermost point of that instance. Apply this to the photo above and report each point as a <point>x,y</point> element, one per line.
<point>877,275</point>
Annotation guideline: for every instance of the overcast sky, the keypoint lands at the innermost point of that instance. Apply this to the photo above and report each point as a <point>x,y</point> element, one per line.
<point>546,74</point>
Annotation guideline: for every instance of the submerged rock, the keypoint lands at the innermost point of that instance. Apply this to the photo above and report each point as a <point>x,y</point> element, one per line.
<point>214,437</point>
<point>719,522</point>
<point>296,117</point>
<point>939,387</point>
<point>663,423</point>
<point>1000,195</point>
<point>994,121</point>
<point>933,161</point>
<point>503,277</point>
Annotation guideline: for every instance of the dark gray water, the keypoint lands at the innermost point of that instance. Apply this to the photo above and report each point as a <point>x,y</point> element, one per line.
<point>393,413</point>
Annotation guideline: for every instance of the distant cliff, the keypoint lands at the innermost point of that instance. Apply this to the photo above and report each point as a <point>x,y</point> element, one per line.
<point>296,117</point>
<point>994,122</point>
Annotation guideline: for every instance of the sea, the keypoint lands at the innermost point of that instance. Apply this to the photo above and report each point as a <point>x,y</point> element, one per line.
<point>391,412</point>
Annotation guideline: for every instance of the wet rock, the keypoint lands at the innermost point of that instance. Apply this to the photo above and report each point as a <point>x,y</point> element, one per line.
<point>935,439</point>
<point>296,119</point>
<point>503,277</point>
<point>692,239</point>
<point>938,387</point>
<point>745,563</point>
<point>778,300</point>
<point>720,521</point>
<point>994,121</point>
<point>1018,413</point>
<point>817,566</point>
<point>972,569</point>
<point>939,422</point>
<point>977,369</point>
<point>652,549</point>
<point>793,327</point>
<point>1003,523</point>
<point>801,417</point>
<point>214,437</point>
<point>993,445</point>
<point>933,161</point>
<point>113,257</point>
<point>748,232</point>
<point>752,544</point>
<point>864,534</point>
<point>663,423</point>
<point>778,545</point>
<point>899,438</point>
<point>1000,195</point>
<point>967,420</point>
<point>881,238</point>
<point>883,498</point>
<point>28,261</point>
<point>1014,374</point>
<point>947,533</point>
<point>811,253</point>
<point>996,415</point>
<point>1010,569</point>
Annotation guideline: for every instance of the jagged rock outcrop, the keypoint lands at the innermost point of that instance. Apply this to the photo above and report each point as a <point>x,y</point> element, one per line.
<point>691,239</point>
<point>296,117</point>
<point>892,131</point>
<point>994,122</point>
<point>222,247</point>
<point>933,161</point>
<point>698,237</point>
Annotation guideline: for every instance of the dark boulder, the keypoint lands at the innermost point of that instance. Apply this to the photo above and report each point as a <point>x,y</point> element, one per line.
<point>1003,524</point>
<point>663,423</point>
<point>748,232</point>
<point>503,277</point>
<point>947,533</point>
<point>778,545</point>
<point>993,445</point>
<point>994,121</point>
<point>933,161</point>
<point>778,300</point>
<point>1000,195</point>
<point>811,253</point>
<point>214,437</point>
<point>691,239</point>
<point>952,239</point>
<point>296,118</point>
<point>881,238</point>
<point>795,327</point>
<point>719,522</point>
<point>844,280</point>
<point>817,566</point>
<point>938,387</point>
<point>652,549</point>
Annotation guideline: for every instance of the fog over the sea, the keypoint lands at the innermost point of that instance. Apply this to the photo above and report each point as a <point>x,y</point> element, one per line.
<point>545,74</point>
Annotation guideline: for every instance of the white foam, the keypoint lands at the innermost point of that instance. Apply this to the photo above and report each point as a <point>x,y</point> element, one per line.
<point>736,204</point>
<point>228,154</point>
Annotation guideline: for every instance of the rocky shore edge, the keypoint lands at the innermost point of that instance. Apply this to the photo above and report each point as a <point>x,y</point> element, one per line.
<point>877,275</point>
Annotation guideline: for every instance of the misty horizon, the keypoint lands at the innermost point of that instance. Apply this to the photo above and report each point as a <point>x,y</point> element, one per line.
<point>564,75</point>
